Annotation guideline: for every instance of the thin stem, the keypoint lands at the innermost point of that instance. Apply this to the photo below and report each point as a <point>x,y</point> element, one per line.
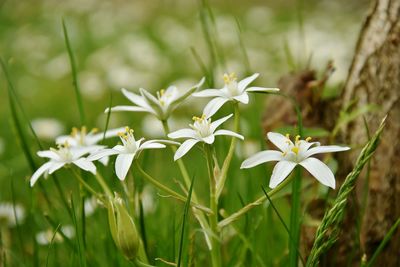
<point>295,219</point>
<point>213,218</point>
<point>228,159</point>
<point>103,184</point>
<point>169,190</point>
<point>86,185</point>
<point>235,216</point>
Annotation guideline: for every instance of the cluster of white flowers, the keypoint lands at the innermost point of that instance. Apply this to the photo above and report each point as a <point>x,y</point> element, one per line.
<point>81,147</point>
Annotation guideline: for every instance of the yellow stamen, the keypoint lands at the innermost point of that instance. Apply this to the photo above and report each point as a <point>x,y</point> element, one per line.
<point>74,131</point>
<point>308,139</point>
<point>297,138</point>
<point>95,130</point>
<point>295,150</point>
<point>228,78</point>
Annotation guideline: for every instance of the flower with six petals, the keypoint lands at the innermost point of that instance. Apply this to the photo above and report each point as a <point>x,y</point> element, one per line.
<point>291,155</point>
<point>232,91</point>
<point>202,130</point>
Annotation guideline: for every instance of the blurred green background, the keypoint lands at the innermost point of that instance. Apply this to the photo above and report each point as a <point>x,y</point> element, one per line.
<point>150,44</point>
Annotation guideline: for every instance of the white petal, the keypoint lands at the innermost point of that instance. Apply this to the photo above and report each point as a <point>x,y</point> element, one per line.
<point>279,140</point>
<point>209,139</point>
<point>320,171</point>
<point>246,81</point>
<point>78,152</point>
<point>182,133</point>
<point>325,149</point>
<point>262,89</point>
<point>55,166</point>
<point>230,133</point>
<point>261,157</point>
<point>48,154</point>
<point>42,169</point>
<point>215,124</point>
<point>128,108</point>
<point>122,165</point>
<point>85,164</point>
<point>134,98</point>
<point>104,160</point>
<point>149,97</point>
<point>281,170</point>
<point>214,105</point>
<point>209,93</point>
<point>184,148</point>
<point>151,145</point>
<point>243,98</point>
<point>103,153</point>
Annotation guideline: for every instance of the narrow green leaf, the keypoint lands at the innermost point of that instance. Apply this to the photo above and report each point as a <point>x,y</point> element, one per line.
<point>385,240</point>
<point>51,244</point>
<point>75,82</point>
<point>185,214</point>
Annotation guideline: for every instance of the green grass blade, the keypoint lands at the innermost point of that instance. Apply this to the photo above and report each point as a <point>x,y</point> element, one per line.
<point>107,119</point>
<point>242,47</point>
<point>328,231</point>
<point>51,244</point>
<point>80,248</point>
<point>75,82</point>
<point>185,214</point>
<point>385,240</point>
<point>283,223</point>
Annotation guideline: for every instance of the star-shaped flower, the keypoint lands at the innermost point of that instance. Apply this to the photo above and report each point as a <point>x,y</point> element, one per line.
<point>202,130</point>
<point>128,151</point>
<point>292,154</point>
<point>65,155</point>
<point>232,91</point>
<point>160,105</point>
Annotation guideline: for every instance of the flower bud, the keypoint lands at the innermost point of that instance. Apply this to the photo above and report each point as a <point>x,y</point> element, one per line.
<point>122,227</point>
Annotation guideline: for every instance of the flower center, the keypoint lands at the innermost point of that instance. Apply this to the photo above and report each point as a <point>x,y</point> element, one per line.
<point>295,151</point>
<point>128,140</point>
<point>80,135</point>
<point>201,125</point>
<point>231,84</point>
<point>63,151</point>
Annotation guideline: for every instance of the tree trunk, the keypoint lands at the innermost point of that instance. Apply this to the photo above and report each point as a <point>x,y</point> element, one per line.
<point>374,78</point>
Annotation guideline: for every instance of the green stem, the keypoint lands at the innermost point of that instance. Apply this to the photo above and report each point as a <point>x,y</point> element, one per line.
<point>86,185</point>
<point>169,190</point>
<point>103,184</point>
<point>235,216</point>
<point>228,159</point>
<point>213,218</point>
<point>295,219</point>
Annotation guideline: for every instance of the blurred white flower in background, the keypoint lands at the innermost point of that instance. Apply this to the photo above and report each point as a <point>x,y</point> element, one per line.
<point>10,214</point>
<point>47,128</point>
<point>149,202</point>
<point>45,237</point>
<point>90,205</point>
<point>92,85</point>
<point>57,67</point>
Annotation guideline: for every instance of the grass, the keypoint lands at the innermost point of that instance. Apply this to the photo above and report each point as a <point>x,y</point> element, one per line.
<point>259,238</point>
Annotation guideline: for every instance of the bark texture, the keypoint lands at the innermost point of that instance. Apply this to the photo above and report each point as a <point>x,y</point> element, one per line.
<point>374,78</point>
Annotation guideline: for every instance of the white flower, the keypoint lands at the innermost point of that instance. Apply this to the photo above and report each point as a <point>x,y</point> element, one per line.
<point>128,151</point>
<point>232,91</point>
<point>202,130</point>
<point>160,105</point>
<point>47,128</point>
<point>83,138</point>
<point>292,154</point>
<point>10,214</point>
<point>65,155</point>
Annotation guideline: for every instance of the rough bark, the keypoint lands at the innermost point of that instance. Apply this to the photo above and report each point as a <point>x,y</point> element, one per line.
<point>374,78</point>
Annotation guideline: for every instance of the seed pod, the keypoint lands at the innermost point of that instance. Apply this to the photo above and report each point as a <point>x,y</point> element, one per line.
<point>122,227</point>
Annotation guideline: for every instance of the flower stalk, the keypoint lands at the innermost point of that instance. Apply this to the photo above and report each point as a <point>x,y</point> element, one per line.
<point>228,159</point>
<point>169,190</point>
<point>213,218</point>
